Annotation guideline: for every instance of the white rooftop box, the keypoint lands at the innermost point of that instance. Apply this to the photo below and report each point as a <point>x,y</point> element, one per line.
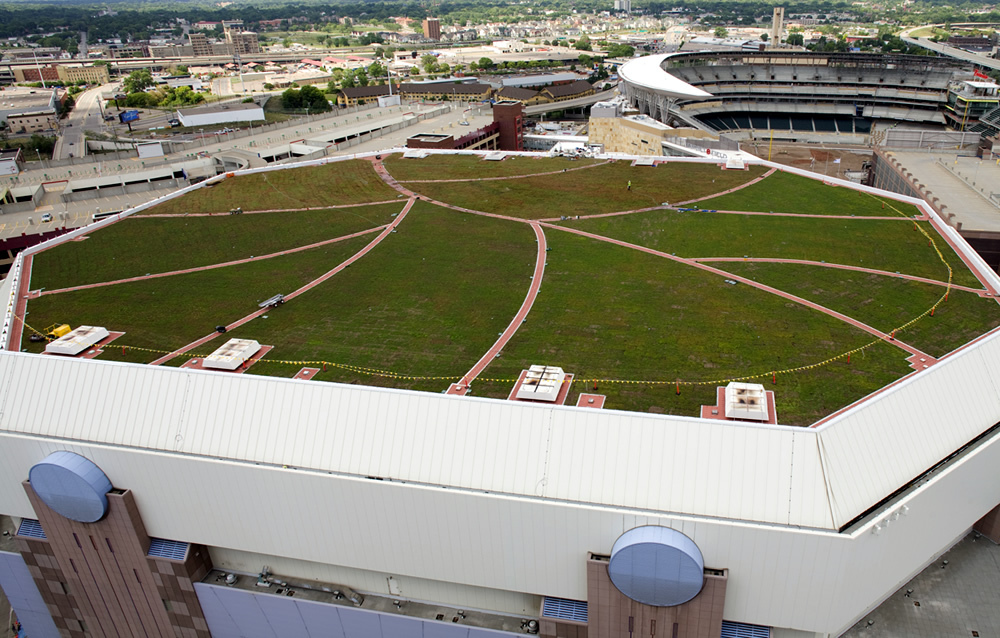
<point>75,342</point>
<point>746,401</point>
<point>231,354</point>
<point>541,383</point>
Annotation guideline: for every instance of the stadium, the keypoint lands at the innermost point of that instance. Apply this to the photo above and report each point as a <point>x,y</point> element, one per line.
<point>413,393</point>
<point>760,94</point>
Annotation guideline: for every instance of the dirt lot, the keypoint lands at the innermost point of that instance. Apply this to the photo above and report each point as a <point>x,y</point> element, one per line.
<point>813,157</point>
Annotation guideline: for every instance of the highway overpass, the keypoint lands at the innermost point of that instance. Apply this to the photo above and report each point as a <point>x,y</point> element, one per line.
<point>589,100</point>
<point>950,51</point>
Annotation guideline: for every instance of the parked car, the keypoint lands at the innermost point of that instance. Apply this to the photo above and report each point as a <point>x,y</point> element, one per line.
<point>46,217</point>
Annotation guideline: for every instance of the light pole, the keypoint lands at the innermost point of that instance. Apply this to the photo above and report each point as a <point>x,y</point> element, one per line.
<point>40,158</point>
<point>201,134</point>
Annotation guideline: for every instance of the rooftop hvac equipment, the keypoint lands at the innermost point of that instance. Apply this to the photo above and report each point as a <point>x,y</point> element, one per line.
<point>746,401</point>
<point>541,383</point>
<point>76,341</point>
<point>232,354</point>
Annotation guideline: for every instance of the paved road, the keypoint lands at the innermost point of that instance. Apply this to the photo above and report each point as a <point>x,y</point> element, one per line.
<point>85,116</point>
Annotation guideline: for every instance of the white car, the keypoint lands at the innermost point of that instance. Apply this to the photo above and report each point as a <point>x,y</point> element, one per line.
<point>46,217</point>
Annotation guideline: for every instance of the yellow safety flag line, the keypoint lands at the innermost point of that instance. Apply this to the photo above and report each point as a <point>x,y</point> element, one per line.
<point>376,372</point>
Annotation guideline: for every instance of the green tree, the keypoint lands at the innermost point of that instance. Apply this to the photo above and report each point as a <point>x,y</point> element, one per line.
<point>795,39</point>
<point>721,32</point>
<point>291,99</point>
<point>376,70</point>
<point>67,105</point>
<point>138,81</point>
<point>583,44</point>
<point>429,62</point>
<point>485,63</point>
<point>620,51</point>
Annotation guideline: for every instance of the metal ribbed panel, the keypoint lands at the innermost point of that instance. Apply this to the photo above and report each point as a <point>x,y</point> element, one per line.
<point>31,528</point>
<point>564,609</point>
<point>163,548</point>
<point>743,630</point>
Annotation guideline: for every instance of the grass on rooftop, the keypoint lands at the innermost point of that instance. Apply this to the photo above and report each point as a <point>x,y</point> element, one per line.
<point>601,189</point>
<point>432,297</point>
<point>783,192</point>
<point>882,244</point>
<point>167,313</point>
<point>137,246</point>
<point>474,166</point>
<point>428,301</point>
<point>333,184</point>
<point>610,312</point>
<point>884,302</point>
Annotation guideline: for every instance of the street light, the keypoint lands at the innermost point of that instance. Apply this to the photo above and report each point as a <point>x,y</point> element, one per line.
<point>40,158</point>
<point>201,133</point>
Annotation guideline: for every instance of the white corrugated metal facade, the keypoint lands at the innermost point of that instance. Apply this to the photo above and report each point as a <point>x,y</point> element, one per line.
<point>508,498</point>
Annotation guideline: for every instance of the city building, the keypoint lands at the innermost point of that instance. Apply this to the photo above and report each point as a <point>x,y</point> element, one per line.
<point>200,46</point>
<point>633,135</point>
<point>432,29</point>
<point>62,73</point>
<point>89,73</point>
<point>221,114</point>
<point>973,43</point>
<point>26,100</point>
<point>539,80</point>
<point>465,92</point>
<point>32,121</point>
<point>129,50</point>
<point>240,42</point>
<point>623,5</point>
<point>33,53</point>
<point>562,92</point>
<point>509,116</point>
<point>355,95</point>
<point>969,101</point>
<point>525,96</point>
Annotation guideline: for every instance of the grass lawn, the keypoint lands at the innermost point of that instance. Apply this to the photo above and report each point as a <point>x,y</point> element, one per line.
<point>432,298</point>
<point>135,246</point>
<point>167,313</point>
<point>654,319</point>
<point>888,244</point>
<point>601,189</point>
<point>789,193</point>
<point>884,302</point>
<point>428,301</point>
<point>474,166</point>
<point>347,182</point>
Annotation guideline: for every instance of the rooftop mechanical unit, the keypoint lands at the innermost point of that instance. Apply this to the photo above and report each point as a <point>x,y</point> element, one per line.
<point>77,341</point>
<point>232,354</point>
<point>541,383</point>
<point>746,401</point>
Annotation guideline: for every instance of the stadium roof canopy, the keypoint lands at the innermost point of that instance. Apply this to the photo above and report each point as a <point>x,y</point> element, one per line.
<point>646,73</point>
